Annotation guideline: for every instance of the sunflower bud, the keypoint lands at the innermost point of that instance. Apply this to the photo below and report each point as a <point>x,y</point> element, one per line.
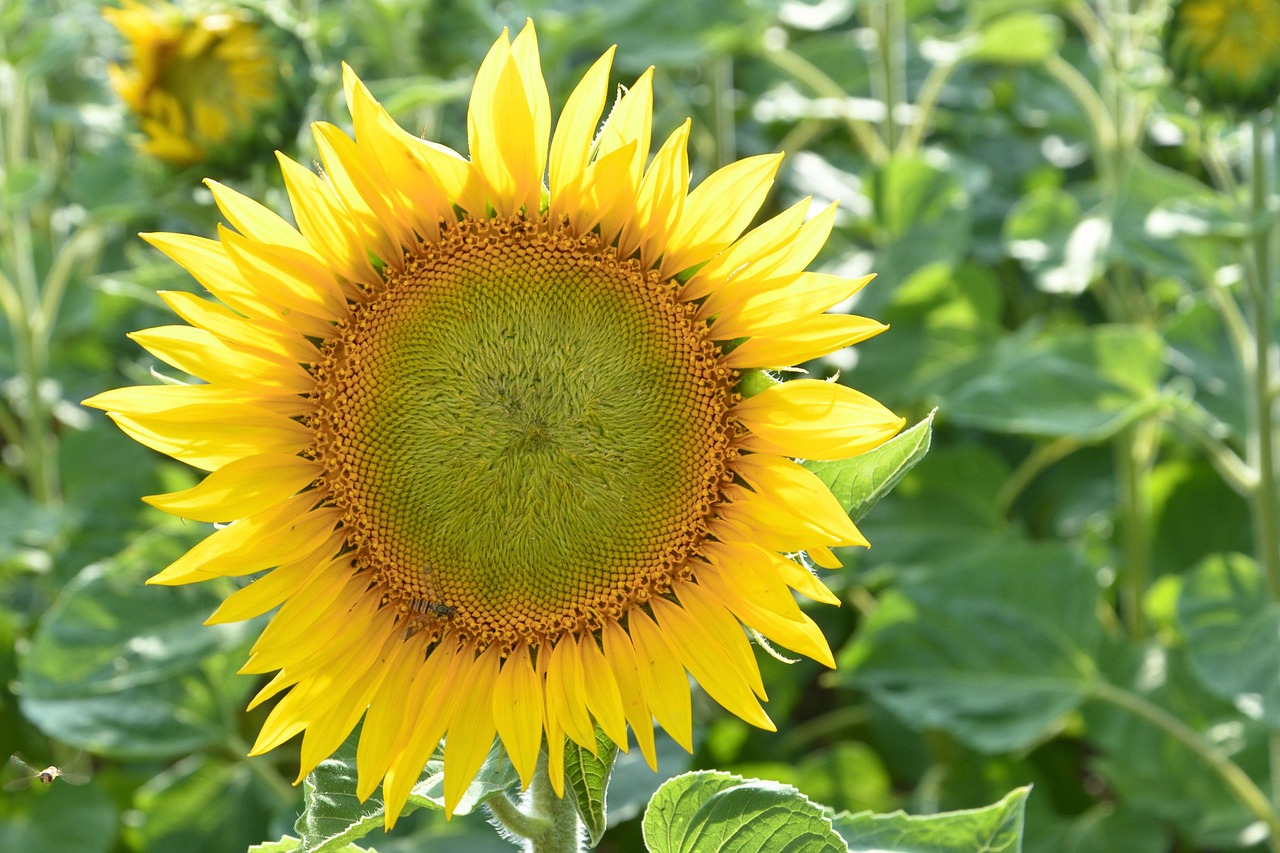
<point>210,87</point>
<point>1224,51</point>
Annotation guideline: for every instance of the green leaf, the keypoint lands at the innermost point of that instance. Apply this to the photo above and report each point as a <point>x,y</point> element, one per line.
<point>61,818</point>
<point>860,483</point>
<point>1082,383</point>
<point>204,804</point>
<point>288,844</point>
<point>1044,230</point>
<point>994,646</point>
<point>332,815</point>
<point>923,216</point>
<point>496,776</point>
<point>586,779</point>
<point>122,669</point>
<point>994,829</point>
<point>709,810</point>
<point>1233,634</point>
<point>1018,39</point>
<point>1157,775</point>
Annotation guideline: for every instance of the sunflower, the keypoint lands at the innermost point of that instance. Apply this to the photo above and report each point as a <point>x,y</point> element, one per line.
<point>1224,51</point>
<point>204,85</point>
<point>488,436</point>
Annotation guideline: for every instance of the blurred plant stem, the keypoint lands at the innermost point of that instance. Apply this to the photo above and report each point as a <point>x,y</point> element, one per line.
<point>1242,787</point>
<point>1260,364</point>
<point>889,75</point>
<point>550,823</point>
<point>30,302</point>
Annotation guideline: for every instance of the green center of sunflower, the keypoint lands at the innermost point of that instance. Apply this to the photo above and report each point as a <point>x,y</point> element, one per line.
<point>526,434</point>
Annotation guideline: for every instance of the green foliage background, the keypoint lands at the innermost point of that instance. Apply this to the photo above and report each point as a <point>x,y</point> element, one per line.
<point>1066,593</point>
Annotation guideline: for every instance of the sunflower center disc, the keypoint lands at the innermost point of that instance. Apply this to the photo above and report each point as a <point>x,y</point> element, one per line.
<point>525,433</point>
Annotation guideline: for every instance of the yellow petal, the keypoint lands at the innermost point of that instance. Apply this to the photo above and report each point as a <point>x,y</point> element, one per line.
<point>354,179</point>
<point>724,630</point>
<point>665,685</point>
<point>150,399</point>
<point>566,692</point>
<point>631,121</point>
<point>242,488</point>
<point>801,579</point>
<point>422,178</point>
<point>600,185</point>
<point>208,263</point>
<point>806,497</point>
<point>524,50</point>
<point>800,634</point>
<point>325,222</point>
<point>209,436</point>
<point>327,732</point>
<point>809,419</point>
<point>808,339</point>
<point>517,711</point>
<point>500,133</point>
<point>786,254</point>
<point>575,131</point>
<point>256,542</point>
<point>390,708</point>
<point>256,221</point>
<point>602,695</point>
<point>201,354</point>
<point>234,329</point>
<point>659,200</point>
<point>718,673</point>
<point>620,655</point>
<point>304,626</point>
<point>471,728</point>
<point>717,211</point>
<point>775,306</point>
<point>427,719</point>
<point>759,241</point>
<point>275,587</point>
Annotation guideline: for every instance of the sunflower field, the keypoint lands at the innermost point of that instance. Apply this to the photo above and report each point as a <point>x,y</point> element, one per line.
<point>761,425</point>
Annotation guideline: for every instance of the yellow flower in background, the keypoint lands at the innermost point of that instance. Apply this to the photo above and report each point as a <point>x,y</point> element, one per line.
<point>487,434</point>
<point>1226,52</point>
<point>202,85</point>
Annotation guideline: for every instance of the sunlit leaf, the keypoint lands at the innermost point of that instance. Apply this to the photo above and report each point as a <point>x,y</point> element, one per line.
<point>859,483</point>
<point>994,829</point>
<point>709,810</point>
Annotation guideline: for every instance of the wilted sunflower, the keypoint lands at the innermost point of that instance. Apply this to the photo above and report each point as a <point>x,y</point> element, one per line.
<point>488,437</point>
<point>204,85</point>
<point>1226,51</point>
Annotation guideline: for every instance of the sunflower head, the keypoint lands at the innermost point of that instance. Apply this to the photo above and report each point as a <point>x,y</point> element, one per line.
<point>481,422</point>
<point>206,87</point>
<point>1226,51</point>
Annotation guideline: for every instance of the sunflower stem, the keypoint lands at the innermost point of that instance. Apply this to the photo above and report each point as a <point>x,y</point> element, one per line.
<point>548,823</point>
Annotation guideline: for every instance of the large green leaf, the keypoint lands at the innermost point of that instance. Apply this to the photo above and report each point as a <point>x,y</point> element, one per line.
<point>859,483</point>
<point>995,646</point>
<point>1081,383</point>
<point>1233,634</point>
<point>62,818</point>
<point>122,669</point>
<point>714,811</point>
<point>1158,775</point>
<point>333,816</point>
<point>1018,39</point>
<point>994,829</point>
<point>204,804</point>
